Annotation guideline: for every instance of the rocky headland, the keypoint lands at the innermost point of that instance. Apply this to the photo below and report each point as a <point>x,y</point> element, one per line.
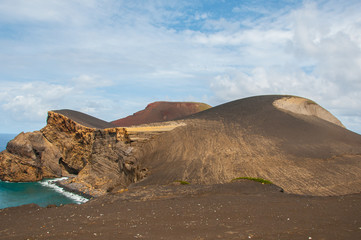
<point>187,179</point>
<point>290,141</point>
<point>96,158</point>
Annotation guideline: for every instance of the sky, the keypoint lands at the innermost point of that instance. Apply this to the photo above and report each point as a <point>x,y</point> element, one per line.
<point>110,58</point>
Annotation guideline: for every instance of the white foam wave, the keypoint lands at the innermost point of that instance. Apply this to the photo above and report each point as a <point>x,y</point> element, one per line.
<point>51,184</point>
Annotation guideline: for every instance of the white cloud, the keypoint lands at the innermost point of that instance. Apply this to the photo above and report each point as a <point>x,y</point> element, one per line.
<point>45,11</point>
<point>87,81</point>
<point>260,81</point>
<point>111,57</point>
<point>314,55</point>
<point>200,16</point>
<point>31,101</point>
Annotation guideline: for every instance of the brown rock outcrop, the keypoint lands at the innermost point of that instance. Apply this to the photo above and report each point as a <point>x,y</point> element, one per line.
<point>100,159</point>
<point>29,157</point>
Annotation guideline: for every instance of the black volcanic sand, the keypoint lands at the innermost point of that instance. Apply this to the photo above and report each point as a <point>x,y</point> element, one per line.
<point>239,210</point>
<point>250,137</point>
<point>85,119</point>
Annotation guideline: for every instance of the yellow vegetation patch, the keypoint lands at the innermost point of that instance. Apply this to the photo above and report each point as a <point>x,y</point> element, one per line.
<point>122,190</point>
<point>163,128</point>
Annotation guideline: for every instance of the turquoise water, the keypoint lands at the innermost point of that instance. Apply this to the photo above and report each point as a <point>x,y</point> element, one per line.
<point>42,193</point>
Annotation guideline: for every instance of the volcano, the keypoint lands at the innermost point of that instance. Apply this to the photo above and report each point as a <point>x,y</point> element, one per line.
<point>161,111</point>
<point>291,141</point>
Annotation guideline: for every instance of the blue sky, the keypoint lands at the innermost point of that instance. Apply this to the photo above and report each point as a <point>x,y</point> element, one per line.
<point>111,58</point>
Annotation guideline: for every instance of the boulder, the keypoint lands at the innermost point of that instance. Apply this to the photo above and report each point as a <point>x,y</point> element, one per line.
<point>30,157</point>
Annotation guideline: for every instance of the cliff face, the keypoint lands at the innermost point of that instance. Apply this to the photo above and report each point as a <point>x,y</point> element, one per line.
<point>29,157</point>
<point>101,159</point>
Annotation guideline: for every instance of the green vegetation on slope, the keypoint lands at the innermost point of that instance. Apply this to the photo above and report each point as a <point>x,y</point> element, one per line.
<point>261,180</point>
<point>182,182</point>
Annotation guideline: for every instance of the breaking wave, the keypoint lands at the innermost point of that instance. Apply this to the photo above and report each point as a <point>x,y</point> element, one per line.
<point>50,183</point>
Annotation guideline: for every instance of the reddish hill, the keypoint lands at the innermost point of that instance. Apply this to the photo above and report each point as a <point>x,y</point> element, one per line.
<point>161,111</point>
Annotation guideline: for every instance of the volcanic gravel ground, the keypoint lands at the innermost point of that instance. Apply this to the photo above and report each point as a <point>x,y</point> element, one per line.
<point>239,210</point>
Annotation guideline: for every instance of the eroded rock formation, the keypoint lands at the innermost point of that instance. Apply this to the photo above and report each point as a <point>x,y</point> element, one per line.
<point>101,159</point>
<point>30,157</point>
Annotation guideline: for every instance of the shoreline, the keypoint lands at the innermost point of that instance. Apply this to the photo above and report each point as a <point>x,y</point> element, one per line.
<point>42,193</point>
<point>73,190</point>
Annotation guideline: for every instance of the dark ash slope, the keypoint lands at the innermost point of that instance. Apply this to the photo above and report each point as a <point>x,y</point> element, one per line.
<point>85,119</point>
<point>303,154</point>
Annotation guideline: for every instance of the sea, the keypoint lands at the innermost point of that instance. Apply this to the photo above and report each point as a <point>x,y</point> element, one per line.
<point>42,193</point>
